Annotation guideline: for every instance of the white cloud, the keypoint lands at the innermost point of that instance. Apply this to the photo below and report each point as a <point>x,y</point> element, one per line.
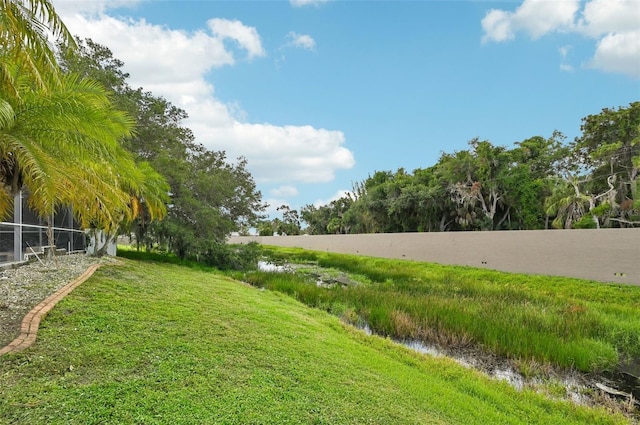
<point>246,37</point>
<point>91,7</point>
<point>222,29</point>
<point>619,53</point>
<point>497,26</point>
<point>284,191</point>
<point>154,55</point>
<point>235,110</point>
<point>301,40</point>
<point>536,17</point>
<point>539,17</point>
<point>301,3</point>
<point>274,204</point>
<point>173,63</point>
<point>564,52</point>
<point>282,153</point>
<point>338,195</point>
<point>566,67</point>
<point>601,17</point>
<point>615,24</point>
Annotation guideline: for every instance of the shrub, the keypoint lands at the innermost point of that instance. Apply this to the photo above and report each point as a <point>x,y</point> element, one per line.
<point>232,257</point>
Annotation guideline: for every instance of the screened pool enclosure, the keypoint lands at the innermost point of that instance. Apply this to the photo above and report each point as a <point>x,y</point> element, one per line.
<point>27,233</point>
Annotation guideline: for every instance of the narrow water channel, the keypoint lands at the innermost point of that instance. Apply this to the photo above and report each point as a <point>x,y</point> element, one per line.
<point>578,387</point>
<point>575,385</point>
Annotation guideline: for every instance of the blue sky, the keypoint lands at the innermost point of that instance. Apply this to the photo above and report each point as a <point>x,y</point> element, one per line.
<point>317,95</point>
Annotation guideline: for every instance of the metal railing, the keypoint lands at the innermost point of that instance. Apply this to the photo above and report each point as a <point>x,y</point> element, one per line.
<point>18,241</point>
<point>28,233</point>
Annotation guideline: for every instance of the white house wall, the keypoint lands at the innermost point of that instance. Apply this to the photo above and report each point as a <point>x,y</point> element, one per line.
<point>606,255</point>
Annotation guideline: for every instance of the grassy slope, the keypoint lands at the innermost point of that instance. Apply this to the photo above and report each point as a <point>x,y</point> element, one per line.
<point>151,343</point>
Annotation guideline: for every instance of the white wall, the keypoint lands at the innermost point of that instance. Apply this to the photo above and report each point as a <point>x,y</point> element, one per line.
<point>102,240</point>
<point>607,255</point>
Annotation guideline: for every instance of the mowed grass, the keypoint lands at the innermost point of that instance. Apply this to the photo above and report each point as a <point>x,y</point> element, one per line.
<point>153,343</point>
<point>571,323</point>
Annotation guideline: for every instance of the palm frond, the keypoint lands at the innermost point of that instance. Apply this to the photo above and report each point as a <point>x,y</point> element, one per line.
<point>25,26</point>
<point>7,115</point>
<point>6,203</point>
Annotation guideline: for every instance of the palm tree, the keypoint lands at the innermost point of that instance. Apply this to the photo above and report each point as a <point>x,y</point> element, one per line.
<point>27,63</point>
<point>63,147</point>
<point>25,27</point>
<point>566,203</point>
<point>60,135</point>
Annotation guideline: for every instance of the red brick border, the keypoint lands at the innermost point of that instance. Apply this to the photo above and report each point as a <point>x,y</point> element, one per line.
<point>31,322</point>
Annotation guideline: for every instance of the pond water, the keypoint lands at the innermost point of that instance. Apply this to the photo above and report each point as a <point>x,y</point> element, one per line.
<point>575,386</point>
<point>501,372</point>
<point>491,366</point>
<point>265,266</point>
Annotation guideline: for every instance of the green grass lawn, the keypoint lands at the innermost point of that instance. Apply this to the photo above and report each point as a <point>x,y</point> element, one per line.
<point>152,343</point>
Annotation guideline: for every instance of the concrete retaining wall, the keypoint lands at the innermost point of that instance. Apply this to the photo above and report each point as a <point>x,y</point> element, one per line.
<point>607,255</point>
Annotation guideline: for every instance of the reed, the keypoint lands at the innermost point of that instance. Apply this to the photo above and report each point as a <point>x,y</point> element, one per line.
<point>569,323</point>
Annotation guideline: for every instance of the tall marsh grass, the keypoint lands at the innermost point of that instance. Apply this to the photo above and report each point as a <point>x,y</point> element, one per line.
<point>570,323</point>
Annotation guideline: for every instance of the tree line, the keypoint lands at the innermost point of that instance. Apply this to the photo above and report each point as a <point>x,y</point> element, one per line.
<point>539,183</point>
<point>73,132</point>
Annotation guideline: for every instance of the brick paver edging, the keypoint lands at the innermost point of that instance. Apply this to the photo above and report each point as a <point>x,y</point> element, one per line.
<point>31,321</point>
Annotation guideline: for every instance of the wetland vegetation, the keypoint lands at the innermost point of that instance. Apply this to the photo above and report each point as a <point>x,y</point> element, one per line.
<point>567,322</point>
<point>538,323</point>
